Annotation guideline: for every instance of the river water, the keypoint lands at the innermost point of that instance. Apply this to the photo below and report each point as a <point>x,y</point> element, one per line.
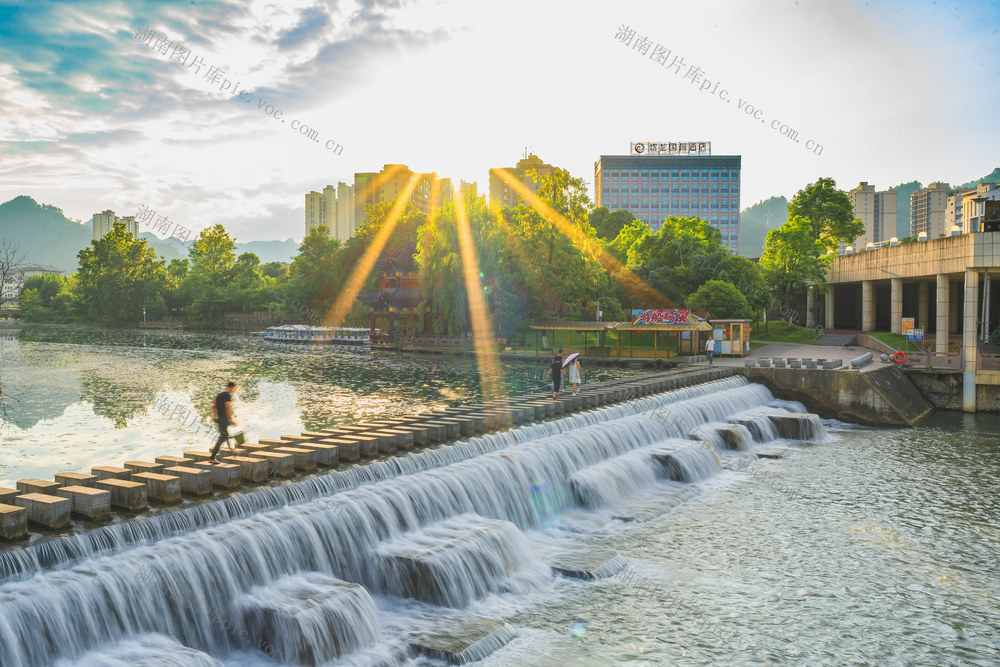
<point>858,546</point>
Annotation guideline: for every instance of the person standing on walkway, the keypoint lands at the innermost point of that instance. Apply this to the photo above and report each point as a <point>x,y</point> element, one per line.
<point>710,349</point>
<point>222,414</point>
<point>573,373</point>
<point>555,372</point>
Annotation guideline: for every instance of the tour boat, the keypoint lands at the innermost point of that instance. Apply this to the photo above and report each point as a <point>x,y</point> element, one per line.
<point>355,337</point>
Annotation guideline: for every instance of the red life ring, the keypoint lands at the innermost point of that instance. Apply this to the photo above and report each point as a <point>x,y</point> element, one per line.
<point>899,357</point>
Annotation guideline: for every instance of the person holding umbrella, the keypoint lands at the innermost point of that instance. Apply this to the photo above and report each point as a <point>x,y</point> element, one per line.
<point>573,374</point>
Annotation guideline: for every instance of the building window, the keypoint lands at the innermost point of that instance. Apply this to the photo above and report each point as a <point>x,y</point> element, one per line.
<point>685,175</point>
<point>685,190</point>
<point>606,173</point>
<point>635,173</point>
<point>725,175</point>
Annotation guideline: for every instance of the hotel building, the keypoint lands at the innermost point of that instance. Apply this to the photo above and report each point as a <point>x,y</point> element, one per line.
<point>657,180</point>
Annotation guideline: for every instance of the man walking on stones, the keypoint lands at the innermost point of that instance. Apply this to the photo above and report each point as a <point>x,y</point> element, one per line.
<point>222,414</point>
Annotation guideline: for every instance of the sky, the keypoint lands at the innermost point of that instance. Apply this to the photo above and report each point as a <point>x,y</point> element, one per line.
<point>93,117</point>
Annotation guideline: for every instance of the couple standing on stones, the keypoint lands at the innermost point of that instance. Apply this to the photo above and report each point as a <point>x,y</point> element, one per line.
<point>571,367</point>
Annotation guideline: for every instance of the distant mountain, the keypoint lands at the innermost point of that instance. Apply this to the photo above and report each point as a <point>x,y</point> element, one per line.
<point>46,236</point>
<point>42,232</point>
<point>992,177</point>
<point>757,220</point>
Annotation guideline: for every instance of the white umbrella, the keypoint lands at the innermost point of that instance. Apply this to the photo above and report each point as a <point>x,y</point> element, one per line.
<point>568,360</point>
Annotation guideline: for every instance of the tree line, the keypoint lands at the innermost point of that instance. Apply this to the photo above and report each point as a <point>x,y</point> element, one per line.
<point>554,263</point>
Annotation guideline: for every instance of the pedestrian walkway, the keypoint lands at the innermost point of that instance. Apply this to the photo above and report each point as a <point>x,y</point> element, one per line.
<point>810,351</point>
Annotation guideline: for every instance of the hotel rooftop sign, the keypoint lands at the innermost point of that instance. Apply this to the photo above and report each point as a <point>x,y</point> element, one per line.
<point>670,148</point>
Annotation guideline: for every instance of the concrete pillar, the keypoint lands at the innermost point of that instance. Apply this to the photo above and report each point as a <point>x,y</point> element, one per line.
<point>810,306</point>
<point>943,310</point>
<point>896,307</point>
<point>923,307</point>
<point>867,306</point>
<point>955,300</point>
<point>970,346</point>
<point>828,320</point>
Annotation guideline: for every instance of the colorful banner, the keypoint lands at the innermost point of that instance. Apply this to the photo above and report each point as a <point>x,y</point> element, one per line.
<point>669,316</point>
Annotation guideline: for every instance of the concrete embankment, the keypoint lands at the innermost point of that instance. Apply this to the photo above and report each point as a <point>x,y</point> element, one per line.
<point>882,397</point>
<point>78,501</point>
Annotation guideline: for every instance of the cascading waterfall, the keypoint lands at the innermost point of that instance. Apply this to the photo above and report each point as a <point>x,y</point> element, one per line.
<point>157,577</point>
<point>692,463</point>
<point>723,436</point>
<point>62,551</point>
<point>458,560</point>
<point>310,620</point>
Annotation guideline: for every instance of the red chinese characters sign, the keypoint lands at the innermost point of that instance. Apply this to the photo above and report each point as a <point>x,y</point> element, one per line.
<point>668,316</point>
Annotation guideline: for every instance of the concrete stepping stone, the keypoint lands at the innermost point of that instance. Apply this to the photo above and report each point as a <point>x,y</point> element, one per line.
<point>13,522</point>
<point>42,486</point>
<point>347,450</point>
<point>251,469</point>
<point>303,459</point>
<point>193,481</point>
<point>169,461</point>
<point>125,494</point>
<point>87,501</point>
<point>164,488</point>
<point>279,464</point>
<point>75,479</point>
<point>144,466</point>
<point>110,472</point>
<point>7,495</point>
<point>224,475</point>
<point>50,512</point>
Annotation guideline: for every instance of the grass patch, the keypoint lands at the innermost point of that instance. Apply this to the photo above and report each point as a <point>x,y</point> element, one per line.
<point>895,341</point>
<point>779,332</point>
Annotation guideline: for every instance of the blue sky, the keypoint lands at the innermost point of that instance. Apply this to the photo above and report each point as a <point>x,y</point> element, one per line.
<point>91,118</point>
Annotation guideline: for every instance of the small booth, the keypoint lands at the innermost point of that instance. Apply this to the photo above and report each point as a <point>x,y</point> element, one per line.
<point>732,337</point>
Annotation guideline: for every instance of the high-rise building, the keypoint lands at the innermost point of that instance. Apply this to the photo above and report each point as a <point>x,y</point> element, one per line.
<point>315,215</point>
<point>386,185</point>
<point>105,220</point>
<point>877,211</point>
<point>927,210</point>
<point>974,205</point>
<point>657,180</point>
<point>345,211</point>
<point>334,208</point>
<point>502,194</point>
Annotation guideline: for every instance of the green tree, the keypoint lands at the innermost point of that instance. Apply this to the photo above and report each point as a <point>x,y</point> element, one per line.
<point>213,255</point>
<point>793,259</point>
<point>722,299</point>
<point>118,276</point>
<point>748,278</point>
<point>828,212</point>
<point>678,258</point>
<point>276,270</point>
<point>554,263</point>
<point>609,224</point>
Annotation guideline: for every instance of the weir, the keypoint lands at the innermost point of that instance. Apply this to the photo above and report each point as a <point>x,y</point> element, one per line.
<point>432,532</point>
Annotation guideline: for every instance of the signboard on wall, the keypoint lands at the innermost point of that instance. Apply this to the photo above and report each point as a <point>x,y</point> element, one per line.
<point>908,323</point>
<point>664,316</point>
<point>670,148</point>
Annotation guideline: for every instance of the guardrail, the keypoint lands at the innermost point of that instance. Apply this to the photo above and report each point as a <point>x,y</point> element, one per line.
<point>988,362</point>
<point>950,361</point>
